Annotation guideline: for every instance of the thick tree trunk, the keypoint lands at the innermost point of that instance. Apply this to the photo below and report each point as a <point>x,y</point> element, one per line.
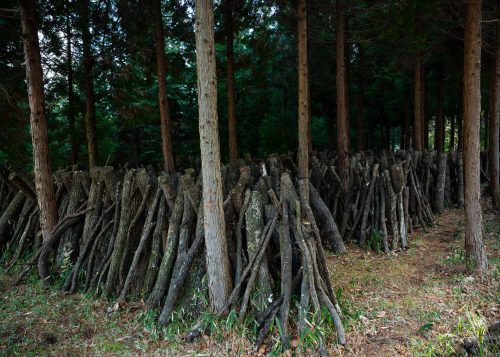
<point>161,66</point>
<point>71,95</point>
<point>439,129</point>
<point>219,275</point>
<point>231,105</point>
<point>494,131</point>
<point>88,64</point>
<point>418,124</point>
<point>474,248</point>
<point>342,125</point>
<point>44,182</point>
<point>303,107</point>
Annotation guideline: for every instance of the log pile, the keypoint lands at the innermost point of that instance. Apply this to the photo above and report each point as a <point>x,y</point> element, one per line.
<point>138,234</point>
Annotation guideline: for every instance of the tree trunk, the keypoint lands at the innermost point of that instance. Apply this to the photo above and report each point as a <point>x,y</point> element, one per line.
<point>71,95</point>
<point>361,103</point>
<point>474,248</point>
<point>90,120</point>
<point>303,108</point>
<point>494,147</point>
<point>342,126</point>
<point>44,182</point>
<point>418,124</point>
<point>219,276</point>
<point>406,128</point>
<point>231,105</point>
<point>439,129</point>
<point>453,120</point>
<point>161,66</point>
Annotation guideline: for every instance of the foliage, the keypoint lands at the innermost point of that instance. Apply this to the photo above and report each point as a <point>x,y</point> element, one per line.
<point>265,73</point>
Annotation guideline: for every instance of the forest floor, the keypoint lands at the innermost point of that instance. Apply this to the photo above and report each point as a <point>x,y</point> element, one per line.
<point>418,302</point>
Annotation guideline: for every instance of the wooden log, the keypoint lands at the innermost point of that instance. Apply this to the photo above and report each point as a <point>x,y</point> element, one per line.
<point>10,214</point>
<point>440,183</point>
<point>327,224</point>
<point>121,235</point>
<point>146,233</point>
<point>367,205</point>
<point>169,255</point>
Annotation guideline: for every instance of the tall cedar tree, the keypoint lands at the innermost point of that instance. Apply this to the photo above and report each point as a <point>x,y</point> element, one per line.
<point>44,182</point>
<point>161,66</point>
<point>90,118</point>
<point>494,146</point>
<point>474,248</point>
<point>303,98</point>
<point>342,125</point>
<point>219,277</point>
<point>231,105</point>
<point>439,129</point>
<point>71,94</point>
<point>418,125</point>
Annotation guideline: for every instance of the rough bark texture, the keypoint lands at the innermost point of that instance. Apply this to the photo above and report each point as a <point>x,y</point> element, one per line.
<point>44,182</point>
<point>88,64</point>
<point>71,95</point>
<point>161,67</point>
<point>474,247</point>
<point>231,101</point>
<point>342,125</point>
<point>494,127</point>
<point>219,277</point>
<point>303,107</point>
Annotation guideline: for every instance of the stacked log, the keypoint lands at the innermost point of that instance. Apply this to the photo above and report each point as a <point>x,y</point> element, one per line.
<point>134,234</point>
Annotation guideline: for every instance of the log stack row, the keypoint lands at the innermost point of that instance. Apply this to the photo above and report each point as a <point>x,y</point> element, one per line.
<point>139,234</point>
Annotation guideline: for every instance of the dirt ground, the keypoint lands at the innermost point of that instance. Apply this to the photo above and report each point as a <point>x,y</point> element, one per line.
<point>421,302</point>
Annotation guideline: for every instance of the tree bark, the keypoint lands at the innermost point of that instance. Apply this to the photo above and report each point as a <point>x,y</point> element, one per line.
<point>474,248</point>
<point>44,182</point>
<point>88,64</point>
<point>71,95</point>
<point>418,124</point>
<point>219,276</point>
<point>361,103</point>
<point>161,67</point>
<point>439,130</point>
<point>494,129</point>
<point>231,105</point>
<point>342,125</point>
<point>303,96</point>
<point>406,128</point>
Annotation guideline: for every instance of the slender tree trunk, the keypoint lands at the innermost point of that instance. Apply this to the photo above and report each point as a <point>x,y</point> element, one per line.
<point>452,132</point>
<point>44,182</point>
<point>494,119</point>
<point>161,67</point>
<point>90,119</point>
<point>424,120</point>
<point>330,117</point>
<point>303,108</point>
<point>231,105</point>
<point>361,103</point>
<point>342,125</point>
<point>474,248</point>
<point>406,128</point>
<point>71,95</point>
<point>417,124</point>
<point>219,276</point>
<point>439,127</point>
